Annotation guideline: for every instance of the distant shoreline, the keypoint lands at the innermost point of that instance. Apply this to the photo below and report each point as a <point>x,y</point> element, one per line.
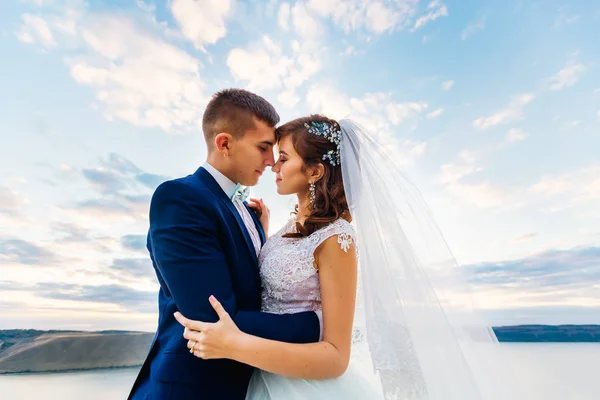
<point>28,351</point>
<point>67,371</point>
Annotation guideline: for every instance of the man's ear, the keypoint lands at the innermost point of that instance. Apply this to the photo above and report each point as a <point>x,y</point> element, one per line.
<point>223,142</point>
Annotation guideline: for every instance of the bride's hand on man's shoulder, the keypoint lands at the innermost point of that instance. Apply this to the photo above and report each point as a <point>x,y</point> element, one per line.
<point>262,212</point>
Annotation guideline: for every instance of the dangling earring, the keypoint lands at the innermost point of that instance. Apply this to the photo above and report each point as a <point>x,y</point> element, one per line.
<point>312,195</point>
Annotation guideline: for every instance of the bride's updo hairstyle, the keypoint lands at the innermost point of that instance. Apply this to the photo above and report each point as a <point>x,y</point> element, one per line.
<point>330,200</point>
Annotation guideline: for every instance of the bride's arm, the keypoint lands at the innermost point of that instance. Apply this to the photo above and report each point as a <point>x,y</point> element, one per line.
<point>322,360</point>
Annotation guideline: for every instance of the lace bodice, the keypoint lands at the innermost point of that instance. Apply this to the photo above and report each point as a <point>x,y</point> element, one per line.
<point>289,277</point>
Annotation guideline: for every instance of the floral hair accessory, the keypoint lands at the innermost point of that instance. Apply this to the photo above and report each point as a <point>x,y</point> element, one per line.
<point>330,132</point>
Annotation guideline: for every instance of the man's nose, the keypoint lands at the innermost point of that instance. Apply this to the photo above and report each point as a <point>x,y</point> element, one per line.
<point>270,161</point>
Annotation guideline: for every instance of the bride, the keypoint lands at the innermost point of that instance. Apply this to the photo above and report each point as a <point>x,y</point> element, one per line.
<point>363,251</point>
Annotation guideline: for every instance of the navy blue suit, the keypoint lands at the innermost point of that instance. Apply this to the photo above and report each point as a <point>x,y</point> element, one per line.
<point>200,246</point>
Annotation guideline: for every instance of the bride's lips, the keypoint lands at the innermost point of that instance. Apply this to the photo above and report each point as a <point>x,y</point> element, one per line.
<point>277,180</point>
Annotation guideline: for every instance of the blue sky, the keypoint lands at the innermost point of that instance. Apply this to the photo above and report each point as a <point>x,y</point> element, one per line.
<point>493,108</point>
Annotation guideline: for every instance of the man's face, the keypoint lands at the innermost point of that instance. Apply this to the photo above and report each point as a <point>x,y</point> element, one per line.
<point>253,152</point>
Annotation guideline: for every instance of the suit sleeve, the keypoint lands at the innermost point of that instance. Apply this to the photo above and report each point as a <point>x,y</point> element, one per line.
<point>191,260</point>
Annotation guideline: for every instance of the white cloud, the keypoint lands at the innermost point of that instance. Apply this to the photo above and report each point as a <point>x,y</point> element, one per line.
<point>410,150</point>
<point>551,186</point>
<point>139,77</point>
<point>380,19</point>
<point>351,51</point>
<point>283,16</point>
<point>305,25</point>
<point>469,156</point>
<point>481,195</point>
<point>11,202</point>
<point>397,112</point>
<point>373,16</point>
<point>288,97</point>
<point>473,27</point>
<point>565,19</point>
<point>513,112</point>
<point>264,66</point>
<point>270,65</point>
<point>39,3</point>
<point>435,113</point>
<point>576,187</point>
<point>202,21</point>
<point>136,75</point>
<point>435,10</point>
<point>452,173</point>
<point>150,8</point>
<point>35,29</point>
<point>524,236</point>
<point>328,100</point>
<point>515,135</point>
<point>566,77</point>
<point>447,85</point>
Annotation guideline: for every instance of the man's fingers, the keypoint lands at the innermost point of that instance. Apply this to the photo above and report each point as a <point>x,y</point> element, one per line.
<point>218,307</point>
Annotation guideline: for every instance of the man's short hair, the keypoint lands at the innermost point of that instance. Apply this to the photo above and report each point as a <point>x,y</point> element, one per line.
<point>231,111</point>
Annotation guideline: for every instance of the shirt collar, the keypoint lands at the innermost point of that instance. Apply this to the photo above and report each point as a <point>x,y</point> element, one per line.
<point>228,186</point>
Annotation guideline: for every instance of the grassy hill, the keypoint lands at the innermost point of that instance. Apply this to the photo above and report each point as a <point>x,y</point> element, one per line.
<point>38,351</point>
<point>54,351</point>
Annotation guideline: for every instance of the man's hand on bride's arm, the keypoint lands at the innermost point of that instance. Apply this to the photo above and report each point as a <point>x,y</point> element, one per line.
<point>262,212</point>
<point>212,340</point>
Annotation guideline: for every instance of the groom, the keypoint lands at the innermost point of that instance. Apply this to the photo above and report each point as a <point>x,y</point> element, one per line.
<point>204,240</point>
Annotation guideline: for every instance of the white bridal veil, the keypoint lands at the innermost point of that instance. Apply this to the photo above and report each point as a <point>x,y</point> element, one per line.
<point>424,334</point>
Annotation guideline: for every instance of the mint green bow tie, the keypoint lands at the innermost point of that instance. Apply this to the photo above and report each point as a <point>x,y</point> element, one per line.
<point>240,193</point>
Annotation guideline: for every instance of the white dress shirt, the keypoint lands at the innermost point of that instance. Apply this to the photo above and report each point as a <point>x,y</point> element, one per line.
<point>229,188</point>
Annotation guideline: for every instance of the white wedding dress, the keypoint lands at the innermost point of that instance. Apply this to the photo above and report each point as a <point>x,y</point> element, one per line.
<point>291,284</point>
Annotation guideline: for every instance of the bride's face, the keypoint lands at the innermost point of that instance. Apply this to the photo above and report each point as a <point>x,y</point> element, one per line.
<point>291,176</point>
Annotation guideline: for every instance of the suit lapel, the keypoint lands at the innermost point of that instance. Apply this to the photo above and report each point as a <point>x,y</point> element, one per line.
<point>210,182</point>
